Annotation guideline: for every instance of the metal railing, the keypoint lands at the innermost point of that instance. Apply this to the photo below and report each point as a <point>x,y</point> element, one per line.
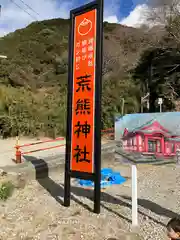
<point>19,148</point>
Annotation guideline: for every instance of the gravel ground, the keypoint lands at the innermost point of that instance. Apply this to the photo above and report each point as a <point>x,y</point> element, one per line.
<point>35,211</point>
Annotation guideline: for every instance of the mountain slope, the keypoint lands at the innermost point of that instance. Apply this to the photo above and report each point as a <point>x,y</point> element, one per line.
<point>38,53</point>
<point>36,71</point>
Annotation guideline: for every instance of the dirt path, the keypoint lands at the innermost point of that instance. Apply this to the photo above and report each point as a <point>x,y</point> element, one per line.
<point>7,150</point>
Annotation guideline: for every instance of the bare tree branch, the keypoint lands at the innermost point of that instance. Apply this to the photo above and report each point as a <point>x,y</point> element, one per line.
<point>166,13</point>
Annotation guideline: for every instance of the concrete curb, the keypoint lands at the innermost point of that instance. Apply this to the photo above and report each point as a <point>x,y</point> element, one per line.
<point>141,163</point>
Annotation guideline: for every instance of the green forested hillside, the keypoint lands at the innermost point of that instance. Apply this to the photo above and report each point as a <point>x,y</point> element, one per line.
<point>33,80</point>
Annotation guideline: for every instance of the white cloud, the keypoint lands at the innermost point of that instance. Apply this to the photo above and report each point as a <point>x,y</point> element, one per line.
<point>111,7</point>
<point>137,17</point>
<point>111,10</point>
<point>112,19</point>
<point>13,18</point>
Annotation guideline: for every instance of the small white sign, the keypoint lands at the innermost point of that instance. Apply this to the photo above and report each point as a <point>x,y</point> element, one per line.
<point>160,101</point>
<point>2,56</point>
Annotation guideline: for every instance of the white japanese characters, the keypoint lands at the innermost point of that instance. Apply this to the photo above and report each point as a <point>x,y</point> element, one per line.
<point>84,51</point>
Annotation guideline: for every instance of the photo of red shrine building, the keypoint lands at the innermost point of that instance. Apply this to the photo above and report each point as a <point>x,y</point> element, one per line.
<point>151,134</point>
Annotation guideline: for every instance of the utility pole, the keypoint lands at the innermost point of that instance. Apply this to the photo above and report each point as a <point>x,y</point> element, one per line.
<point>143,99</point>
<point>122,107</point>
<point>150,87</point>
<point>141,104</point>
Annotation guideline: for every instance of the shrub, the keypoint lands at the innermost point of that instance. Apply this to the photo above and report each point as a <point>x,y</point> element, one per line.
<point>6,190</point>
<point>25,113</point>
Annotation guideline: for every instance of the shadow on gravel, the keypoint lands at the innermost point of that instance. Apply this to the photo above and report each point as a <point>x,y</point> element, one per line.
<point>42,176</point>
<point>154,207</point>
<point>54,189</point>
<point>57,191</point>
<point>107,198</point>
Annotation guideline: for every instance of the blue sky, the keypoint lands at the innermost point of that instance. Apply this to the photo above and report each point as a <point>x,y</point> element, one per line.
<point>18,15</point>
<point>122,8</point>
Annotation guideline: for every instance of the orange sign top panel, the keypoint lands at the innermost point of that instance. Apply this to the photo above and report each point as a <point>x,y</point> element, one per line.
<point>83,105</point>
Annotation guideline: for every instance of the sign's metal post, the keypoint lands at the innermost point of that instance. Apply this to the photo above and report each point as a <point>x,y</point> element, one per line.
<point>67,178</point>
<point>83,137</point>
<point>97,147</point>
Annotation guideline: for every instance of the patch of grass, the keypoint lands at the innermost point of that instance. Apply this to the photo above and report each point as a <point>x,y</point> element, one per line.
<point>6,190</point>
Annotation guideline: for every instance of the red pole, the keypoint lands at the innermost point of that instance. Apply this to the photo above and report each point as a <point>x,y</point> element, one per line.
<point>18,152</point>
<point>18,155</point>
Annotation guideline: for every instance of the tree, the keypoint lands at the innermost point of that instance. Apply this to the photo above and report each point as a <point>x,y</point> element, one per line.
<point>158,73</point>
<point>166,13</point>
<point>116,89</point>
